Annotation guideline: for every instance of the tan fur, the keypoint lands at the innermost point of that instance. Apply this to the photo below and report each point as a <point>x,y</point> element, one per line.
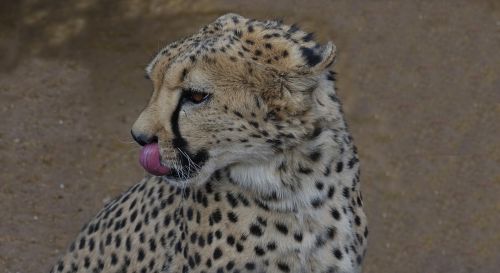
<point>265,167</point>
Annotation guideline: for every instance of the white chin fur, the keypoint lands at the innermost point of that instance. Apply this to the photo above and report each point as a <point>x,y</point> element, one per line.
<point>198,179</point>
<point>260,177</point>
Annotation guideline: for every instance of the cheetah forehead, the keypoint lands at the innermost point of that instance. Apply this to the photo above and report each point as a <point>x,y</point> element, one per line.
<point>265,44</point>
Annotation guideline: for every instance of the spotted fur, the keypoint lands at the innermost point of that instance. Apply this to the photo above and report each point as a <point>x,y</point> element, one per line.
<point>266,177</point>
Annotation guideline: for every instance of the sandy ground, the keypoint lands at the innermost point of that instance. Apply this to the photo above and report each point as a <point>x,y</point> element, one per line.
<point>420,84</point>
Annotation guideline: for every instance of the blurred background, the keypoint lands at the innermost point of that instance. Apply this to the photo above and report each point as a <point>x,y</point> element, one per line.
<point>419,81</point>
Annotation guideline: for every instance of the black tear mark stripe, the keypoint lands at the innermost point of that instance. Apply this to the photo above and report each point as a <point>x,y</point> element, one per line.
<point>180,143</point>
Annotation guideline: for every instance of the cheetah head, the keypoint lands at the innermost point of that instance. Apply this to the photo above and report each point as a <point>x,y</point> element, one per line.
<point>238,91</point>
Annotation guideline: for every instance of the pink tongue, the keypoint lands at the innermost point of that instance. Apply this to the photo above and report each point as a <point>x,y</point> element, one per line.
<point>150,160</point>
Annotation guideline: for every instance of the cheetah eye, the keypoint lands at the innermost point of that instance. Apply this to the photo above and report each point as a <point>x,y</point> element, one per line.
<point>194,96</point>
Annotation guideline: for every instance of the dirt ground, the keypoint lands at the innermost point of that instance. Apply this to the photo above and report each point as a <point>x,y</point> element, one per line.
<point>419,80</point>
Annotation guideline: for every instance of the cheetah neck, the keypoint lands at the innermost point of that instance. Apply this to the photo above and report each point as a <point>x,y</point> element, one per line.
<point>305,177</point>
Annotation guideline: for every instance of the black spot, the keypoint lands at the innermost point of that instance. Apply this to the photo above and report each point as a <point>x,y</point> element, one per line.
<point>332,76</point>
<point>331,191</point>
<point>114,259</point>
<point>320,241</point>
<point>230,240</point>
<point>316,132</point>
<point>60,266</point>
<point>310,56</point>
<point>316,203</point>
<point>357,220</point>
<point>216,216</point>
<point>217,197</point>
<point>271,246</point>
<point>191,262</point>
<point>140,255</point>
<point>262,221</point>
<point>255,230</point>
<point>91,244</point>
<point>118,240</point>
<point>259,251</point>
<point>210,238</point>
<point>229,265</point>
<point>133,216</point>
<point>201,241</point>
<point>152,244</point>
<point>358,200</point>
<point>298,237</point>
<point>345,192</point>
<point>231,199</point>
<point>275,142</point>
<point>335,214</point>
<point>304,170</point>
<point>359,259</point>
<point>197,258</point>
<point>254,124</point>
<point>239,247</point>
<point>331,232</point>
<point>337,253</point>
<point>166,220</point>
<point>334,98</point>
<point>250,266</point>
<point>194,237</point>
<point>352,162</point>
<point>86,263</point>
<point>82,242</point>
<point>128,244</point>
<point>315,156</point>
<point>340,167</point>
<point>293,28</point>
<point>217,253</point>
<point>308,37</point>
<point>232,217</point>
<point>283,267</point>
<point>282,228</point>
<point>327,171</point>
<point>261,205</point>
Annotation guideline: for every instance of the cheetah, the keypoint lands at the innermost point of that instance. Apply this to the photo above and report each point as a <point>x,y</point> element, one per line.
<point>251,165</point>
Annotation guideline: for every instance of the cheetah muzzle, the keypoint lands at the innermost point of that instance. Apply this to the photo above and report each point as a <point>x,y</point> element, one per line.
<point>252,168</point>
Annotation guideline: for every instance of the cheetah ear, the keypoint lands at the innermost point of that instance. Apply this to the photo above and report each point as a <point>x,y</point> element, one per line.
<point>317,59</point>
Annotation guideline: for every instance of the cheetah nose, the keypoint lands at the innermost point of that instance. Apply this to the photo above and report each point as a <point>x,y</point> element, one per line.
<point>143,139</point>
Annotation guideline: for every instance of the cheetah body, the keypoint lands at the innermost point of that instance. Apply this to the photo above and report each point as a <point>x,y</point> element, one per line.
<point>273,184</point>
